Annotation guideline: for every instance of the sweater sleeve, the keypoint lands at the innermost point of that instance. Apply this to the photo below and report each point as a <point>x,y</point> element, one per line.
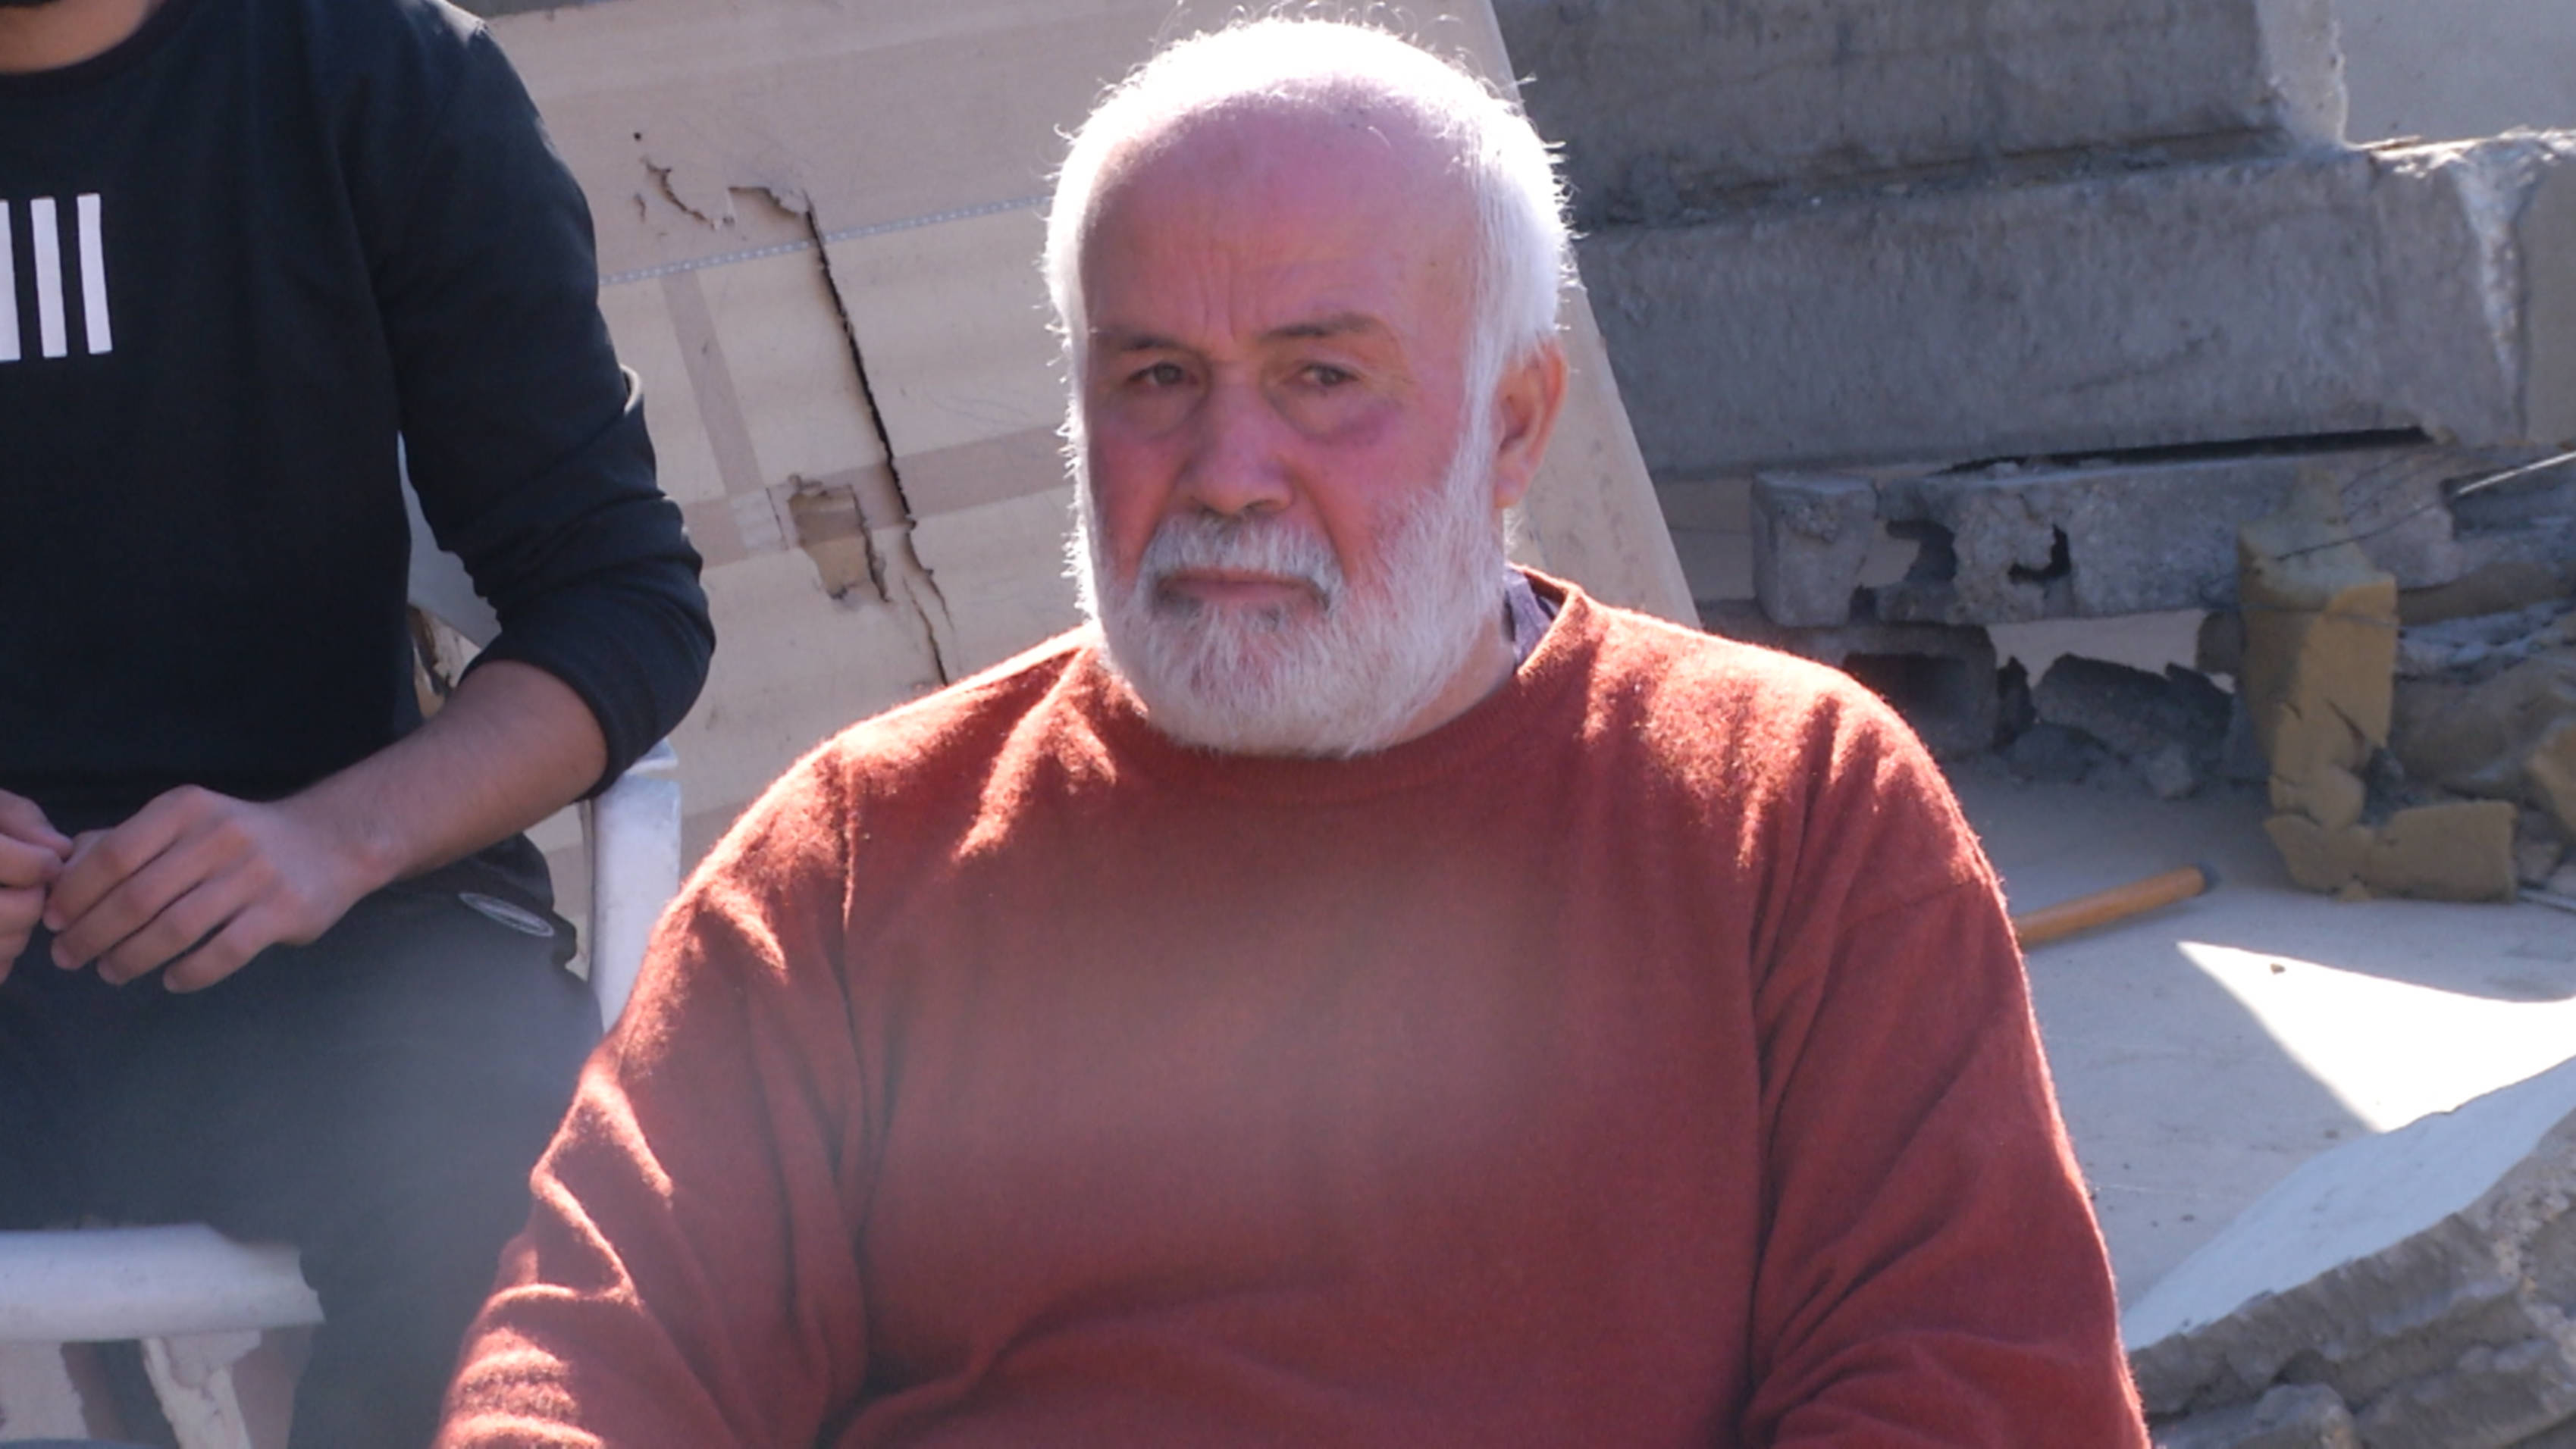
<point>1931,1273</point>
<point>688,1278</point>
<point>525,440</point>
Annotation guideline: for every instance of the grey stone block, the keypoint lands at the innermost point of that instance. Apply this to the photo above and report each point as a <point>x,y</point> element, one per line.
<point>1811,535</point>
<point>2313,294</point>
<point>2293,1416</point>
<point>1941,679</point>
<point>2419,1274</point>
<point>1664,105</point>
<point>2010,544</point>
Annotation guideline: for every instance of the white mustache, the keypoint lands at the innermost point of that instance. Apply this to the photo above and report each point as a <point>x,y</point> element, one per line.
<point>1257,545</point>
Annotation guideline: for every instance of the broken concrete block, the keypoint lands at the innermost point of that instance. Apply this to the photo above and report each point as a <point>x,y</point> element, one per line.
<point>2458,851</point>
<point>2490,735</point>
<point>2421,1275</point>
<point>2293,1416</point>
<point>2319,858</point>
<point>2320,642</point>
<point>1811,535</point>
<point>1942,680</point>
<point>2167,727</point>
<point>2292,296</point>
<point>1665,106</point>
<point>2010,544</point>
<point>2493,1396</point>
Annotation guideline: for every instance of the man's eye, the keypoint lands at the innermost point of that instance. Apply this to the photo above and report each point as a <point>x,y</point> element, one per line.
<point>1325,375</point>
<point>1160,374</point>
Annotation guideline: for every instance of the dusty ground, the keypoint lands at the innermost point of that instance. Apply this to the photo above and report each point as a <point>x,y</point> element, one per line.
<point>2204,1051</point>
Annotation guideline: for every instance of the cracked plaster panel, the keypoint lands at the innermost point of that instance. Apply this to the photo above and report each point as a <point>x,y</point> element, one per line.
<point>794,669</point>
<point>789,358</point>
<point>639,322</point>
<point>995,563</point>
<point>777,95</point>
<point>952,321</point>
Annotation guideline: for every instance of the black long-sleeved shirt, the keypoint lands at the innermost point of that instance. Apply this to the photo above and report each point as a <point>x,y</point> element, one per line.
<point>242,252</point>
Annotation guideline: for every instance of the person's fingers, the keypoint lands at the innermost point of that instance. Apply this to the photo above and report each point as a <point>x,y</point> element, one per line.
<point>27,863</point>
<point>194,914</point>
<point>247,934</point>
<point>103,860</point>
<point>147,886</point>
<point>22,819</point>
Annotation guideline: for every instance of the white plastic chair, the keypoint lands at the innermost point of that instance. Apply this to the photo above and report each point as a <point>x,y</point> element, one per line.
<point>198,1301</point>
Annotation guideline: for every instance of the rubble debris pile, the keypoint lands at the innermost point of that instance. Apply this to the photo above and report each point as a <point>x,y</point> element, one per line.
<point>2413,1289</point>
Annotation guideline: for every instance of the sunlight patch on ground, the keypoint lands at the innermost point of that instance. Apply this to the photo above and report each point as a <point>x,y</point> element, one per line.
<point>2390,1051</point>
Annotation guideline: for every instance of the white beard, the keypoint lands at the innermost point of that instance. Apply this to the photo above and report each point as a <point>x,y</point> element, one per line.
<point>1343,679</point>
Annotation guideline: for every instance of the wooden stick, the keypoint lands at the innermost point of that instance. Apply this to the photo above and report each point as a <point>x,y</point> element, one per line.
<point>2101,908</point>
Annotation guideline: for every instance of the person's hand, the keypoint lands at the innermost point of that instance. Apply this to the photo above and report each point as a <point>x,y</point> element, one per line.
<point>199,882</point>
<point>32,852</point>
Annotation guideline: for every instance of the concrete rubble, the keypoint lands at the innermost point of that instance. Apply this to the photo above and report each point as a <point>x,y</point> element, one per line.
<point>2411,1289</point>
<point>2010,543</point>
<point>2168,729</point>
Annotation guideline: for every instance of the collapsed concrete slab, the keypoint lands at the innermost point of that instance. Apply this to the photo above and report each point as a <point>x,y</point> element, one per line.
<point>2424,1277</point>
<point>2009,543</point>
<point>2323,292</point>
<point>1665,105</point>
<point>1942,680</point>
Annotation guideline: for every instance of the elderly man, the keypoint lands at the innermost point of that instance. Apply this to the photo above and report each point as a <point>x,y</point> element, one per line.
<point>1358,995</point>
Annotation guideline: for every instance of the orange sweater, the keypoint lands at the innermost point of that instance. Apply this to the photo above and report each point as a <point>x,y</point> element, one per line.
<point>1642,1059</point>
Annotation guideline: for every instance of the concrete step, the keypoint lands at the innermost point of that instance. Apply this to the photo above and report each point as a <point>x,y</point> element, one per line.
<point>2326,292</point>
<point>1665,105</point>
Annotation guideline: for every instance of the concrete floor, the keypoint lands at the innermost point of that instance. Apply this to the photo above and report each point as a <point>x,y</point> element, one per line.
<point>2205,1050</point>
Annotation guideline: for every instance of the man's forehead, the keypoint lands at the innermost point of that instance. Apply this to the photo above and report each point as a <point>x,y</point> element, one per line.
<point>1311,153</point>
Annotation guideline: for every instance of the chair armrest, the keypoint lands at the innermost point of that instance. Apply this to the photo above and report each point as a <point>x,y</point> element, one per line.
<point>93,1285</point>
<point>634,828</point>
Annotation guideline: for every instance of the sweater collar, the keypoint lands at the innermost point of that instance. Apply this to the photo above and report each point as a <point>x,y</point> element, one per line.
<point>1540,702</point>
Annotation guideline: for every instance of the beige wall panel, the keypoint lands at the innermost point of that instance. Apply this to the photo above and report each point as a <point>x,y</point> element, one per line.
<point>848,112</point>
<point>793,665</point>
<point>1592,510</point>
<point>789,359</point>
<point>1001,568</point>
<point>953,322</point>
<point>640,324</point>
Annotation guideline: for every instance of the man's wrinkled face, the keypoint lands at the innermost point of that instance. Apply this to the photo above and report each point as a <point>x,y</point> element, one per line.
<point>1289,510</point>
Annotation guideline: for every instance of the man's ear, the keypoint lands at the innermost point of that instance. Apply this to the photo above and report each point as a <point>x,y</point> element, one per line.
<point>1526,404</point>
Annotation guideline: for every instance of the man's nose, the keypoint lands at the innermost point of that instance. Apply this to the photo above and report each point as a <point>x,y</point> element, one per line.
<point>1237,462</point>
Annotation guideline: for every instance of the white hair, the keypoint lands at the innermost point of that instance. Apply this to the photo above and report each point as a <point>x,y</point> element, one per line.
<point>1522,255</point>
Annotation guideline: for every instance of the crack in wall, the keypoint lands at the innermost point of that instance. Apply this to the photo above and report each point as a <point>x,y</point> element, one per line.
<point>905,573</point>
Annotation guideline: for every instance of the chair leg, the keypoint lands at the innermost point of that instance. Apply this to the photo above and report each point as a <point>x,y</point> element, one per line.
<point>193,1375</point>
<point>38,1399</point>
